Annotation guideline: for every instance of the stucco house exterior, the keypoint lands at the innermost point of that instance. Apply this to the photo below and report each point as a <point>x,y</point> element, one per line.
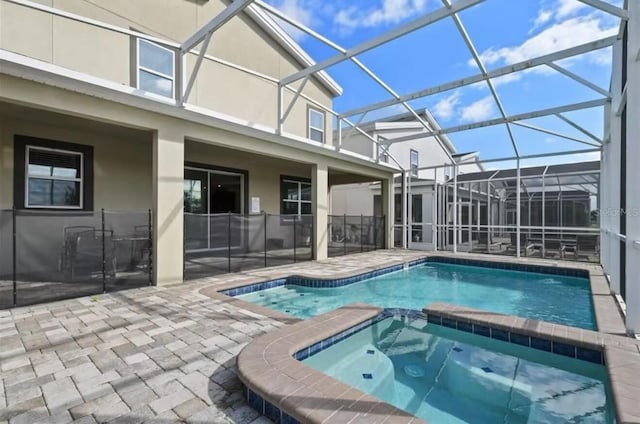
<point>419,157</point>
<point>100,108</point>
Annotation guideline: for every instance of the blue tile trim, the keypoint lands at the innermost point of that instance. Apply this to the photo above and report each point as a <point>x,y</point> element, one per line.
<point>583,354</point>
<point>541,269</point>
<point>266,408</point>
<point>341,282</point>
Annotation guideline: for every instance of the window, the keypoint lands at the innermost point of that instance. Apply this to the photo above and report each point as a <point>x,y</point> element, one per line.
<point>52,174</point>
<point>383,153</point>
<point>448,172</point>
<point>296,196</point>
<point>414,159</point>
<point>316,125</point>
<point>155,70</point>
<point>53,179</point>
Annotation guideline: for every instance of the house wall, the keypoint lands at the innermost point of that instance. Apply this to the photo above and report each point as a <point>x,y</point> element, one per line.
<point>110,55</point>
<point>122,162</point>
<point>430,152</point>
<point>352,199</point>
<point>264,172</point>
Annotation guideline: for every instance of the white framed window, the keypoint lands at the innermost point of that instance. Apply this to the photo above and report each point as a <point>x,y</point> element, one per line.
<point>448,171</point>
<point>316,125</point>
<point>414,160</point>
<point>54,178</point>
<point>296,197</point>
<point>155,69</point>
<point>383,153</point>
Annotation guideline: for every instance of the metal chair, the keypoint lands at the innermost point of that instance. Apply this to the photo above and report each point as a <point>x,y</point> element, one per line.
<point>525,245</point>
<point>554,246</point>
<point>88,254</point>
<point>68,249</point>
<point>586,245</point>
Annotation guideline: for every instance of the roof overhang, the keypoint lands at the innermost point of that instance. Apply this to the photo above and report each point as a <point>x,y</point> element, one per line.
<point>30,69</point>
<point>272,28</point>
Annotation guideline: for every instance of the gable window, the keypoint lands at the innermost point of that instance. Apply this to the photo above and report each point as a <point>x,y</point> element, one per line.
<point>383,153</point>
<point>414,159</point>
<point>316,125</point>
<point>52,174</point>
<point>296,196</point>
<point>155,69</point>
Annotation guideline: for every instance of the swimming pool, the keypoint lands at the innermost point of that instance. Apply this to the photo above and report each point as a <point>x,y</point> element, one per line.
<point>546,297</point>
<point>448,376</point>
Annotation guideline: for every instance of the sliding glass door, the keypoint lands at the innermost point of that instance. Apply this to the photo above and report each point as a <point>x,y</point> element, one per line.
<point>208,194</point>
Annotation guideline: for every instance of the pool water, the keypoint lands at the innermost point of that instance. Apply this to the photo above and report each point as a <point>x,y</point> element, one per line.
<point>546,297</point>
<point>447,376</point>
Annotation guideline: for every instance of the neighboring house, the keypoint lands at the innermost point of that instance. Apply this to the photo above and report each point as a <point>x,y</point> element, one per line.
<point>92,118</point>
<point>421,152</point>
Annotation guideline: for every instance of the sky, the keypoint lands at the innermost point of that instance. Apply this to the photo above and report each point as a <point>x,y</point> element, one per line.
<point>503,32</point>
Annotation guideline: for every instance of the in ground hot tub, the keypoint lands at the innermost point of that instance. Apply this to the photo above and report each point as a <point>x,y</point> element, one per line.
<point>445,375</point>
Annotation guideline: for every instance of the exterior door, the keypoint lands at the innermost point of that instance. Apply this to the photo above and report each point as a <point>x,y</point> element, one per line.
<point>209,197</point>
<point>196,206</point>
<point>226,196</point>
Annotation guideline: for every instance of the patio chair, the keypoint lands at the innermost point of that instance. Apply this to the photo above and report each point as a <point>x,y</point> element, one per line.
<point>554,247</point>
<point>586,246</point>
<point>486,240</point>
<point>86,259</point>
<point>525,244</point>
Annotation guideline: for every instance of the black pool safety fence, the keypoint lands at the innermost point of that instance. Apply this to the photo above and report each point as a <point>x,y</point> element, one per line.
<point>222,243</point>
<point>53,255</point>
<point>355,233</point>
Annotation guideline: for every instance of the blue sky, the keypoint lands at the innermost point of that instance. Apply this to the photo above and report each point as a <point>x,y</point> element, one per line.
<point>503,31</point>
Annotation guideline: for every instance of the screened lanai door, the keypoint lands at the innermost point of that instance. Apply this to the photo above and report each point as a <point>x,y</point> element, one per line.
<point>209,197</point>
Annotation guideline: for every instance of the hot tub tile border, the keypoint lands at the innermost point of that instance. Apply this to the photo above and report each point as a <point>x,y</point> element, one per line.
<point>486,329</point>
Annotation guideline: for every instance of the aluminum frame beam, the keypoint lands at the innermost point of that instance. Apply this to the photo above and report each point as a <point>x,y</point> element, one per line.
<point>282,117</point>
<point>382,39</point>
<point>498,121</point>
<point>476,57</point>
<point>184,95</point>
<point>607,7</point>
<point>554,133</point>
<point>509,69</point>
<point>579,79</point>
<point>580,128</point>
<point>222,18</point>
<point>509,158</point>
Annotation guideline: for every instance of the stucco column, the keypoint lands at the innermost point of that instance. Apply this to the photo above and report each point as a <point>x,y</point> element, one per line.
<point>387,199</point>
<point>168,192</point>
<point>632,214</point>
<point>320,204</point>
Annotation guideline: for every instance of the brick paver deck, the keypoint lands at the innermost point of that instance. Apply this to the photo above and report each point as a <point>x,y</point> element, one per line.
<point>146,355</point>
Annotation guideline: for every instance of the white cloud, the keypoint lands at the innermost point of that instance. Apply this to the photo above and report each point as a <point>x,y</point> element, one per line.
<point>559,36</point>
<point>445,108</point>
<point>543,17</point>
<point>478,110</point>
<point>297,10</point>
<point>388,12</point>
<point>568,8</point>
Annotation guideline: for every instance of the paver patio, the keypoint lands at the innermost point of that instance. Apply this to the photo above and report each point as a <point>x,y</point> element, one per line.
<point>145,355</point>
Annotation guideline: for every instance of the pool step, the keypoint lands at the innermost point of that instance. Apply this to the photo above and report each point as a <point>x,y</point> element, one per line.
<point>367,369</point>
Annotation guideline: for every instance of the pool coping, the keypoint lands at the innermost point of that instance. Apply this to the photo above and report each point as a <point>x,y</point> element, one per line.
<point>621,355</point>
<point>606,310</point>
<point>283,388</point>
<point>274,378</point>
